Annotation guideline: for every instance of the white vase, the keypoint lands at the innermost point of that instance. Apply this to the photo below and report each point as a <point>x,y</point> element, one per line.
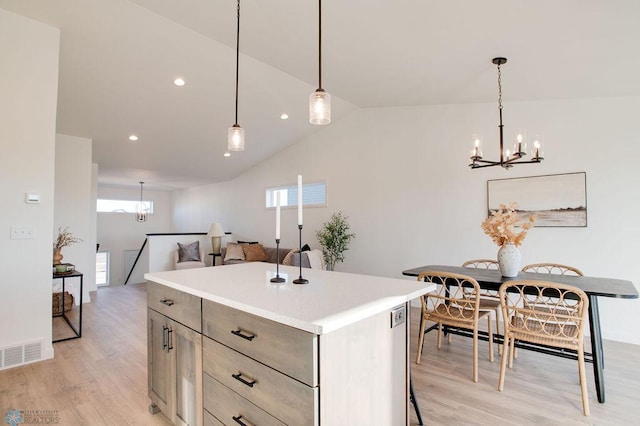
<point>509,260</point>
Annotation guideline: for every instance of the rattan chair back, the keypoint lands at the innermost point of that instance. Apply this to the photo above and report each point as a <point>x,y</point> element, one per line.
<point>552,268</point>
<point>455,300</point>
<point>481,264</point>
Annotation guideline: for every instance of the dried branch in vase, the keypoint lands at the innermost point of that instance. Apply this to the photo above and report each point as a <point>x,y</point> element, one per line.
<point>500,225</point>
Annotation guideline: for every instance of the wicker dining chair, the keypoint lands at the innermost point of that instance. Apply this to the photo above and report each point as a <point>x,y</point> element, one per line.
<point>546,313</point>
<point>489,301</point>
<point>552,268</point>
<point>454,303</point>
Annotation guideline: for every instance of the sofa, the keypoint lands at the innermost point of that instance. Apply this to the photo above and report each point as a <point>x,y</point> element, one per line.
<point>272,255</point>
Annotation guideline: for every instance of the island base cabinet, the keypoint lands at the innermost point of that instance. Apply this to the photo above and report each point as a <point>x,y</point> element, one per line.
<point>175,369</point>
<point>364,371</point>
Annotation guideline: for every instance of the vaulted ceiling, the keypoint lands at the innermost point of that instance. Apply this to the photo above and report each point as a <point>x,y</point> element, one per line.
<point>118,60</point>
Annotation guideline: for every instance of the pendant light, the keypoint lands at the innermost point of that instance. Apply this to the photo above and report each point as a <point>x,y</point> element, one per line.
<point>141,209</point>
<point>320,101</point>
<point>235,135</point>
<point>508,158</point>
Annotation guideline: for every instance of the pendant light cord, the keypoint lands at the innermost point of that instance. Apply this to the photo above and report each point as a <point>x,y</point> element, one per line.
<point>319,44</point>
<point>237,60</point>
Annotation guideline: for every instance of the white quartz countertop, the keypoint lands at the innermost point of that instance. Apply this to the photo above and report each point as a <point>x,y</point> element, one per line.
<point>329,301</point>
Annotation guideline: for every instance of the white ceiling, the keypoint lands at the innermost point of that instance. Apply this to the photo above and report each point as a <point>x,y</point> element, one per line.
<point>118,59</point>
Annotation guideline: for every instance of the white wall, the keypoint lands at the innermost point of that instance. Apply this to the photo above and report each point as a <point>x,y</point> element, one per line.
<point>401,175</point>
<point>117,232</point>
<point>28,84</point>
<point>75,208</point>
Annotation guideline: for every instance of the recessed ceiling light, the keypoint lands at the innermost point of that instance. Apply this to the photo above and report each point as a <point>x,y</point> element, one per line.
<point>284,116</point>
<point>179,82</point>
<point>227,154</point>
<point>133,138</point>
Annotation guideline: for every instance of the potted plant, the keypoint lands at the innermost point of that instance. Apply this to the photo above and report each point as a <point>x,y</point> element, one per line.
<point>65,238</point>
<point>334,237</point>
<point>500,227</point>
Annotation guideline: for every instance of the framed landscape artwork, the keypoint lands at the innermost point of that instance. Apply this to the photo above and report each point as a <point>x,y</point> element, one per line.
<point>556,200</point>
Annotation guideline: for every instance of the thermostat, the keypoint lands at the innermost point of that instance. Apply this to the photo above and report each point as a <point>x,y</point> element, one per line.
<point>32,198</point>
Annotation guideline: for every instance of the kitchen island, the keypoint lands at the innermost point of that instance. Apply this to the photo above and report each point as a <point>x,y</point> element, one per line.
<point>227,346</point>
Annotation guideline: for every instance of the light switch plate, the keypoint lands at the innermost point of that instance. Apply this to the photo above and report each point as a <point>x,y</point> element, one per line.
<point>398,316</point>
<point>21,232</point>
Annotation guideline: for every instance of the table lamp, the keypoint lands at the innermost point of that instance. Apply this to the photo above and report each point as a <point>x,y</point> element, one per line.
<point>216,233</point>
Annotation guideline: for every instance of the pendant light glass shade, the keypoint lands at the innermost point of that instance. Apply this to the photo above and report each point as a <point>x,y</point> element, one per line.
<point>235,138</point>
<point>320,107</point>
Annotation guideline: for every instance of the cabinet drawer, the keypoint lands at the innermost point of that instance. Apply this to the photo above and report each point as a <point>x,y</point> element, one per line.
<point>287,399</point>
<point>287,349</point>
<point>228,406</point>
<point>210,420</point>
<point>177,305</point>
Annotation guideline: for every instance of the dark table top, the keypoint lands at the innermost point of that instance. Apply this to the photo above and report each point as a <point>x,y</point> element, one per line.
<point>492,279</point>
<point>74,273</point>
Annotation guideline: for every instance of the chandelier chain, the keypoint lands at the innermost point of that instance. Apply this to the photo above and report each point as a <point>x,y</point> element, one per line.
<point>499,88</point>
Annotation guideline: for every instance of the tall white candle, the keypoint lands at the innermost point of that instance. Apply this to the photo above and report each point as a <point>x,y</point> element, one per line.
<point>277,215</point>
<point>299,199</point>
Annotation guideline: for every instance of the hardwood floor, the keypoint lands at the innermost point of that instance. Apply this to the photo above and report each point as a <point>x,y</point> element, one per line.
<point>101,379</point>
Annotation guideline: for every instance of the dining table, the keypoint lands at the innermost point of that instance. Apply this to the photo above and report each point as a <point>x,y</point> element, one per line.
<point>594,287</point>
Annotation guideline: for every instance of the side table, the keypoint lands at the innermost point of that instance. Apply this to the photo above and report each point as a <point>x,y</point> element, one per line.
<point>214,255</point>
<point>64,275</point>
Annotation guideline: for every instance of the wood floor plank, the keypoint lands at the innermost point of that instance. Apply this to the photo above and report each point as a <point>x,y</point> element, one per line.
<point>101,379</point>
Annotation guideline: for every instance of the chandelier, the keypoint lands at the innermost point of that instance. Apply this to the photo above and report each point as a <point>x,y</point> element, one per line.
<point>141,208</point>
<point>508,157</point>
<point>235,135</point>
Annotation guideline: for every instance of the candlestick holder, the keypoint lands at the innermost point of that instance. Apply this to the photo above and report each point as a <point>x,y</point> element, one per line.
<point>300,280</point>
<point>277,278</point>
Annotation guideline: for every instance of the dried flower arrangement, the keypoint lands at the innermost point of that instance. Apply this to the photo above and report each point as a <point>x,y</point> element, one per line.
<point>65,238</point>
<point>500,225</point>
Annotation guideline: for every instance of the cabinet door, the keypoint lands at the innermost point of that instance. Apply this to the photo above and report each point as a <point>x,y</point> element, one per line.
<point>159,362</point>
<point>187,350</point>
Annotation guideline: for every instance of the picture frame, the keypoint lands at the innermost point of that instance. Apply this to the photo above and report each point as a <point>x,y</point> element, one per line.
<point>558,200</point>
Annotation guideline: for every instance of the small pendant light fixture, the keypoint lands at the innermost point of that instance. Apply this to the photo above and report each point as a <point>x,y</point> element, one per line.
<point>141,209</point>
<point>507,157</point>
<point>320,101</point>
<point>235,135</point>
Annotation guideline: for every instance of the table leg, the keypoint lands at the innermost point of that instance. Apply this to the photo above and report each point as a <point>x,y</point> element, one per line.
<point>414,401</point>
<point>80,308</point>
<point>596,346</point>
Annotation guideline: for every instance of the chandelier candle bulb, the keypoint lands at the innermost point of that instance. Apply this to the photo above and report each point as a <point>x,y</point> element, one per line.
<point>299,199</point>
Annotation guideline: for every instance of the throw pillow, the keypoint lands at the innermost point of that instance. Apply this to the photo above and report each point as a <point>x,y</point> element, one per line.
<point>234,252</point>
<point>288,259</point>
<point>189,252</point>
<point>254,253</point>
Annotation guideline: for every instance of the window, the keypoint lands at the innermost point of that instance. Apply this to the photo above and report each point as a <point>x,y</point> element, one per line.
<point>313,194</point>
<point>122,206</point>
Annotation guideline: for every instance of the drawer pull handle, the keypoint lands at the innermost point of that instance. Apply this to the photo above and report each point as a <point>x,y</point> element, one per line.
<point>239,378</point>
<point>167,302</point>
<point>238,420</point>
<point>239,333</point>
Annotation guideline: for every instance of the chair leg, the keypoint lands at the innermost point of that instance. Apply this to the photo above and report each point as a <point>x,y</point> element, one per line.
<point>497,310</point>
<point>503,362</point>
<point>439,335</point>
<point>512,350</point>
<point>475,354</point>
<point>423,324</point>
<point>490,338</point>
<point>583,382</point>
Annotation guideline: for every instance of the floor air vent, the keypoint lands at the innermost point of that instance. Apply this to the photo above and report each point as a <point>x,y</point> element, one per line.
<point>12,356</point>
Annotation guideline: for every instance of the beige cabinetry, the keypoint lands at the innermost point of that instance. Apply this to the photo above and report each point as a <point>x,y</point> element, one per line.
<point>259,369</point>
<point>174,354</point>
